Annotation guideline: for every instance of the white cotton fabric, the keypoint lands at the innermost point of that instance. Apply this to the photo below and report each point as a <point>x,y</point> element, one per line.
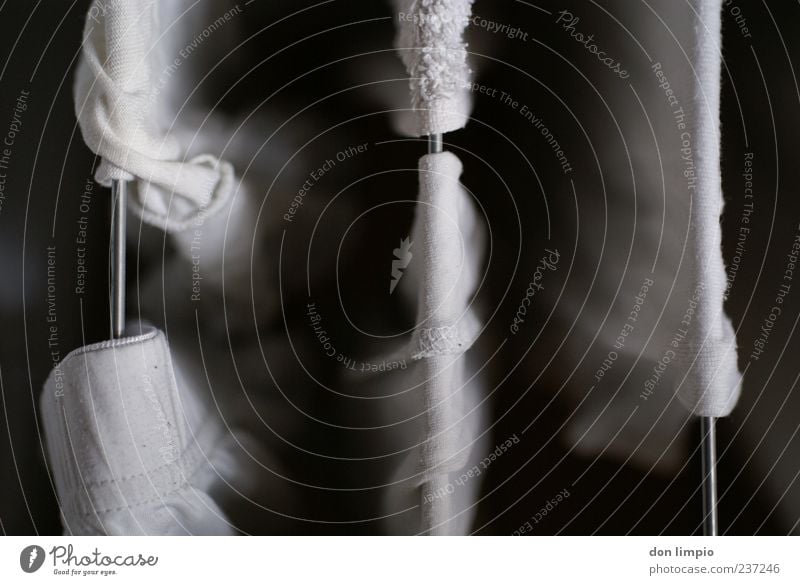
<point>448,240</point>
<point>129,452</point>
<point>447,325</point>
<point>639,409</point>
<point>116,102</point>
<point>430,43</point>
<point>712,383</point>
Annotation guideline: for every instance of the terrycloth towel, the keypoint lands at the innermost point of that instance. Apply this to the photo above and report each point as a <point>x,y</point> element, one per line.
<point>129,452</point>
<point>430,42</point>
<point>117,94</point>
<point>712,383</point>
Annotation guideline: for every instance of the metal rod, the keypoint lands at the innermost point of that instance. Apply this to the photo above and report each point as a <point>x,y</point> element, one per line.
<point>435,143</point>
<point>708,449</point>
<point>118,228</point>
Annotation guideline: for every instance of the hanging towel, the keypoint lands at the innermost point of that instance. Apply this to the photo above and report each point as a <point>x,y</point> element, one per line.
<point>446,231</point>
<point>116,102</point>
<point>130,453</point>
<point>449,239</point>
<point>430,43</point>
<point>712,383</point>
<point>447,325</point>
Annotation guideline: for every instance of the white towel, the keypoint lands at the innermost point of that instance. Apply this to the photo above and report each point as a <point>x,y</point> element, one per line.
<point>712,383</point>
<point>430,42</point>
<point>129,452</point>
<point>449,237</point>
<point>447,323</point>
<point>650,236</point>
<point>117,95</point>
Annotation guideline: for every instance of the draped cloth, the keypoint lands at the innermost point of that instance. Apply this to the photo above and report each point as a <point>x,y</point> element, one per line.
<point>711,385</point>
<point>448,239</point>
<point>118,87</point>
<point>130,450</point>
<point>447,325</point>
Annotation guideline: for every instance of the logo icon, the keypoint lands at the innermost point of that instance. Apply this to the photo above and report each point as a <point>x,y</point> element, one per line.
<point>402,258</point>
<point>31,558</point>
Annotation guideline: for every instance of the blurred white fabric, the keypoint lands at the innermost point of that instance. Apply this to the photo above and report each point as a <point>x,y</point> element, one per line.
<point>131,452</point>
<point>448,238</point>
<point>648,314</point>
